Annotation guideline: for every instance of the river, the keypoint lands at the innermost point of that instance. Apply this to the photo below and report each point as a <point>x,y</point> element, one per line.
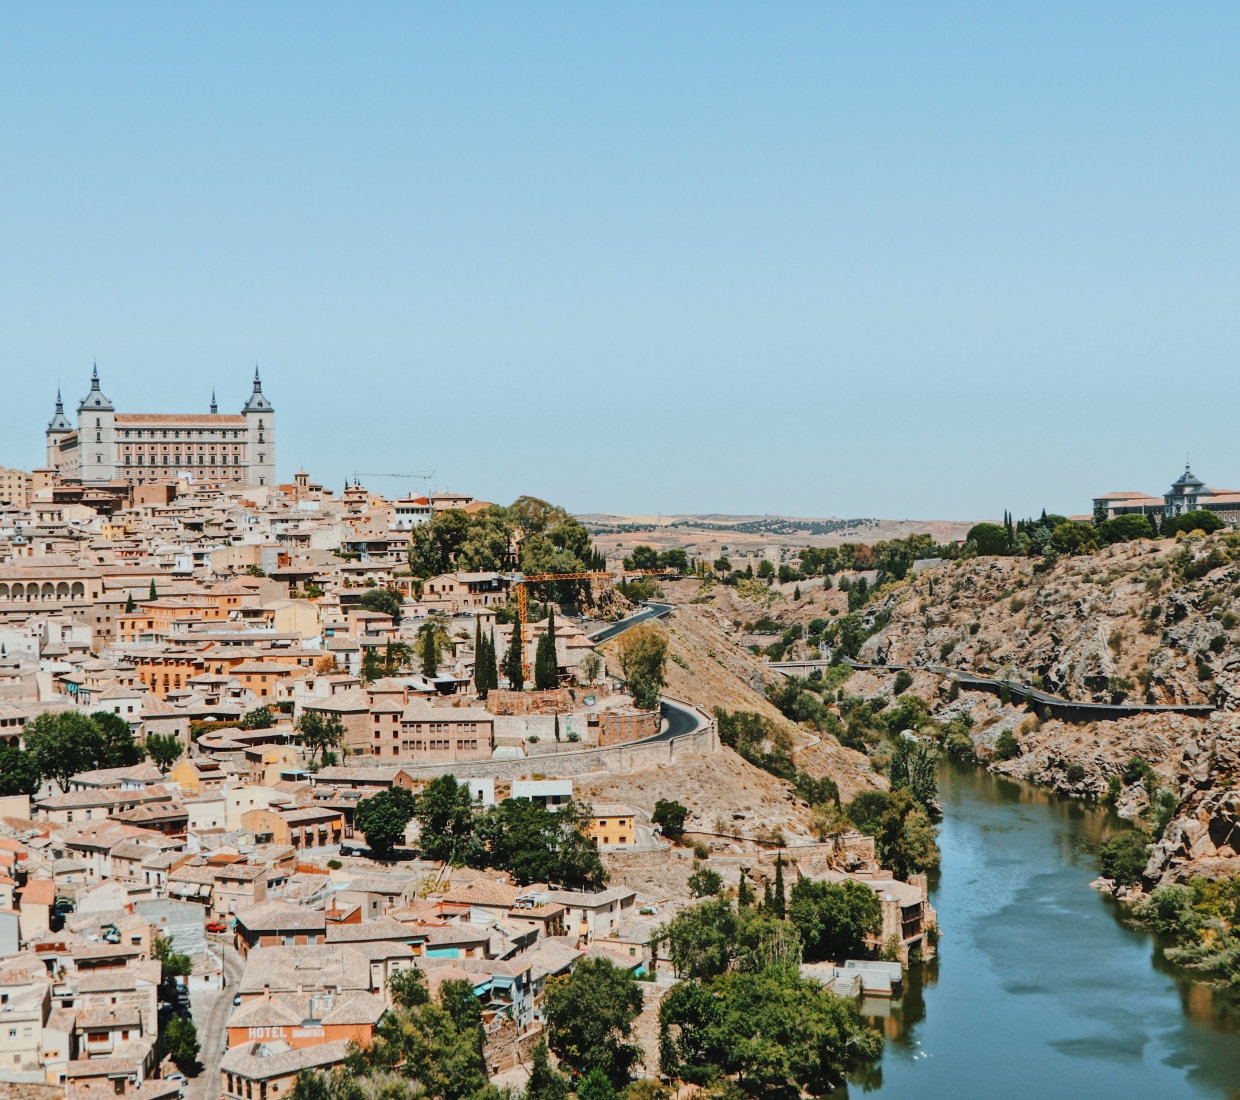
<point>1040,989</point>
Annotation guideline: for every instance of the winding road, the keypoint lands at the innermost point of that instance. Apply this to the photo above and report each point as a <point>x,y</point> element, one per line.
<point>649,611</point>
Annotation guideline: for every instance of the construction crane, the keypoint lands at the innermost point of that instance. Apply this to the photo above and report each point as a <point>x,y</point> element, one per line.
<point>539,578</point>
<point>416,477</point>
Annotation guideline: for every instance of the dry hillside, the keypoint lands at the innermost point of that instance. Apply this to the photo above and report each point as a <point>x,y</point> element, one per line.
<point>1144,621</point>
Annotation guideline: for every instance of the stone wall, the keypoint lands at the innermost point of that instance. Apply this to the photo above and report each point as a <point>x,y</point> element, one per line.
<point>557,701</point>
<point>624,724</point>
<point>565,764</point>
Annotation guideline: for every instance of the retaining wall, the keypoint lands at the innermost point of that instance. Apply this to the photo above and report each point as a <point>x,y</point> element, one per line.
<point>634,756</point>
<point>624,725</point>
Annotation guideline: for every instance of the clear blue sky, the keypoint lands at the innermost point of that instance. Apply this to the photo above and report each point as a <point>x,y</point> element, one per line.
<point>915,261</point>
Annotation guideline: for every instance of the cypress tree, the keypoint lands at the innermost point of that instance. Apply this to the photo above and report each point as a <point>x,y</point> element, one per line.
<point>430,652</point>
<point>154,595</point>
<point>557,728</point>
<point>130,606</point>
<point>780,908</point>
<point>492,662</point>
<point>744,895</point>
<point>512,661</point>
<point>546,669</point>
<point>768,899</point>
<point>479,684</point>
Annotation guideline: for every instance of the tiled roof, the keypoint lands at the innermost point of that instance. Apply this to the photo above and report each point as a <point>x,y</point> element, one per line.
<point>245,1061</point>
<point>277,915</point>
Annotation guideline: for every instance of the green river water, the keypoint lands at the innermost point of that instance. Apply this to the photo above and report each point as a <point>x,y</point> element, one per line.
<point>1040,990</point>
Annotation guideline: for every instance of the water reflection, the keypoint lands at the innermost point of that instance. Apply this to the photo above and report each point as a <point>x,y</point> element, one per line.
<point>1040,986</point>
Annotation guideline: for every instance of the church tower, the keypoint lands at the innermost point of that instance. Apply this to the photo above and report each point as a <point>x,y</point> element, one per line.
<point>96,435</point>
<point>260,423</point>
<point>58,427</point>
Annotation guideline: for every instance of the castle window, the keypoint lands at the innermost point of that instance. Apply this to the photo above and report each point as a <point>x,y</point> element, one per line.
<point>98,422</point>
<point>127,458</point>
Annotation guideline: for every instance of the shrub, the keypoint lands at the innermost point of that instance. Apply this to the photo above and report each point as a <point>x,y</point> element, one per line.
<point>1017,605</point>
<point>1200,520</point>
<point>1124,857</point>
<point>1169,910</point>
<point>705,883</point>
<point>1229,620</point>
<point>1006,747</point>
<point>945,650</point>
<point>903,681</point>
<point>1075,773</point>
<point>1125,529</point>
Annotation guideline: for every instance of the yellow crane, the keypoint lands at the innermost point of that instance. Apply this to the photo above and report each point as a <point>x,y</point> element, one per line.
<point>539,578</point>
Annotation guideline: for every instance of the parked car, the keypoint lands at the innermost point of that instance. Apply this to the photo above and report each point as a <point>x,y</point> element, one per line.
<point>236,999</point>
<point>216,926</point>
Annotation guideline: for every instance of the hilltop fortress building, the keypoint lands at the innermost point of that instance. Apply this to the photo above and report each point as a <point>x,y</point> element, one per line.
<point>145,447</point>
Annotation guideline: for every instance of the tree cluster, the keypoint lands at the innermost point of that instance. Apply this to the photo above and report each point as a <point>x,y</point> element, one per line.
<point>519,835</point>
<point>61,744</point>
<point>742,1010</point>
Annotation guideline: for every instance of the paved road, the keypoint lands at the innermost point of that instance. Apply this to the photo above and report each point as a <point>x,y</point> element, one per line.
<point>680,720</point>
<point>211,1009</point>
<point>648,612</point>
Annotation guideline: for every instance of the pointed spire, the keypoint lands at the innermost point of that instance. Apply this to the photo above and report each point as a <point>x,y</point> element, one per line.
<point>214,407</point>
<point>94,377</point>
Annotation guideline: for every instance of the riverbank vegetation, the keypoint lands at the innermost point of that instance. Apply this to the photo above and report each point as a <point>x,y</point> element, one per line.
<point>742,1018</point>
<point>1203,920</point>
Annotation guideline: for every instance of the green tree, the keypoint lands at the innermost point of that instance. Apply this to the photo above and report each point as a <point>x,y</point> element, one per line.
<point>546,664</point>
<point>545,1083</point>
<point>153,594</point>
<point>447,821</point>
<point>428,650</point>
<point>866,811</point>
<point>319,732</point>
<point>1006,746</point>
<point>914,765</point>
<point>701,938</point>
<point>903,681</point>
<point>643,657</point>
<point>590,1016</point>
<point>112,744</point>
<point>19,772</point>
<point>174,964</point>
<point>722,565</point>
<point>408,987</point>
<point>1200,520</point>
<point>834,919</point>
<point>906,838</point>
<point>594,1085</point>
<point>1125,529</point>
<point>164,749</point>
<point>181,1037</point>
<point>130,606</point>
<point>260,718</point>
<point>990,538</point>
<point>670,815</point>
<point>705,883</point>
<point>643,557</point>
<point>514,659</point>
<point>744,893</point>
<point>434,1045</point>
<point>383,818</point>
<point>382,601</point>
<point>775,1032</point>
<point>1124,856</point>
<point>779,900</point>
<point>537,844</point>
<point>65,743</point>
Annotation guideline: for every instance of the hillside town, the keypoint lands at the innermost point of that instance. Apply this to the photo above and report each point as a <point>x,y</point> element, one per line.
<point>228,711</point>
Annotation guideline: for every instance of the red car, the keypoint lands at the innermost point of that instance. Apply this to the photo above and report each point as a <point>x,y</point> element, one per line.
<point>216,926</point>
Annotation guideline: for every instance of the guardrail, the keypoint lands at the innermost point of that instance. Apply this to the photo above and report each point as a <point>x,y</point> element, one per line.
<point>1059,707</point>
